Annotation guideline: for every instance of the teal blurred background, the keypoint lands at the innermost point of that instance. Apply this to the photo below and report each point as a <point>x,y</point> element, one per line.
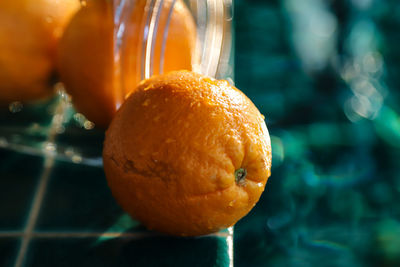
<point>325,74</point>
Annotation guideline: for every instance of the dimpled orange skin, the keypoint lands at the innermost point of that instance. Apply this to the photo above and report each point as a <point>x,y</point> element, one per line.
<point>29,33</point>
<point>171,153</point>
<point>86,59</point>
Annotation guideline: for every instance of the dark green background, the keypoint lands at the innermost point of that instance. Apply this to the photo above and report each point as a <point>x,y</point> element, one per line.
<point>334,194</point>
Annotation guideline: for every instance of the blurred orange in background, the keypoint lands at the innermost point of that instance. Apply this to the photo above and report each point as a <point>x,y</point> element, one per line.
<point>29,34</point>
<point>86,53</point>
<point>86,61</point>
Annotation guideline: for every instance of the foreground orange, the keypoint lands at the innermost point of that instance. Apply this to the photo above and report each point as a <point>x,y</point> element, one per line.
<point>187,155</point>
<point>29,33</point>
<point>86,54</point>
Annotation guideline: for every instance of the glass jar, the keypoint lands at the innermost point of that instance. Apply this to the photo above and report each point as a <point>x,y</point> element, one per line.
<point>53,127</point>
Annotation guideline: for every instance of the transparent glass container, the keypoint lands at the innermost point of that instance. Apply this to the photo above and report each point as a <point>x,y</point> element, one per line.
<point>54,128</point>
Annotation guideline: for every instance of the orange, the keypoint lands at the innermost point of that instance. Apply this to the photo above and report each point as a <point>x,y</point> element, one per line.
<point>29,33</point>
<point>86,59</point>
<point>186,154</point>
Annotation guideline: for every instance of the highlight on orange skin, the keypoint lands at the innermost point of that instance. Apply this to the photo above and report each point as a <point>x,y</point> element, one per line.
<point>29,34</point>
<point>86,54</point>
